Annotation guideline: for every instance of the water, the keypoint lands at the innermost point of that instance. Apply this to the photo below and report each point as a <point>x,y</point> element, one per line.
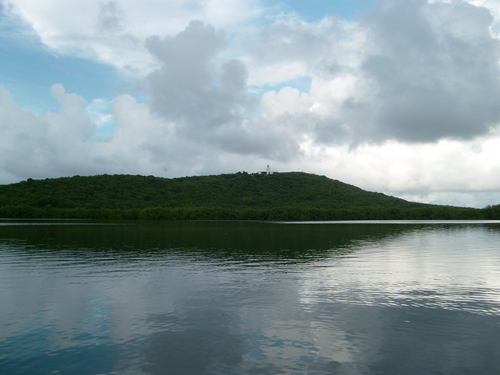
<point>249,298</point>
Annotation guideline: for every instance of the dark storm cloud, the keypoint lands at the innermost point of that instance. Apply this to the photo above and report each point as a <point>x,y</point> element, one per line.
<point>435,70</point>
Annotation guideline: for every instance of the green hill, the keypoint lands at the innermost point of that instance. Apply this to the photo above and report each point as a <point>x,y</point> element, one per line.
<point>236,191</point>
<point>279,196</point>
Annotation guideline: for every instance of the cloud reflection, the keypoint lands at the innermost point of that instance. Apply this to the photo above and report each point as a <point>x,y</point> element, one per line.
<point>309,299</point>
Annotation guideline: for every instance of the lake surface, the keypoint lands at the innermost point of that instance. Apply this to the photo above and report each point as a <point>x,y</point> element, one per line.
<point>82,298</point>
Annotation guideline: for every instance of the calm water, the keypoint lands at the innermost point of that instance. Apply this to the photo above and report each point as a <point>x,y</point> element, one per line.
<point>249,298</point>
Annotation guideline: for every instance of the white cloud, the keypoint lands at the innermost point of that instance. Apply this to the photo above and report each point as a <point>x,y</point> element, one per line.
<point>114,31</point>
<point>436,173</point>
<point>288,100</point>
<point>494,7</point>
<point>43,146</point>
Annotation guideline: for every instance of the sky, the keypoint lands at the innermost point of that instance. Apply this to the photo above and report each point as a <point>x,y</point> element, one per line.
<point>394,96</point>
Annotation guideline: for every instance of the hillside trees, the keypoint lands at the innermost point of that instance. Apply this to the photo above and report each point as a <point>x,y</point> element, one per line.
<point>239,196</point>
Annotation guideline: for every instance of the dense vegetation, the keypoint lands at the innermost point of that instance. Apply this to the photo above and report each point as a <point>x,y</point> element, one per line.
<point>240,196</point>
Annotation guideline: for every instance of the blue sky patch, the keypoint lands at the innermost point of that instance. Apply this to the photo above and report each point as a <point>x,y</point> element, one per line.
<point>28,70</point>
<point>315,10</point>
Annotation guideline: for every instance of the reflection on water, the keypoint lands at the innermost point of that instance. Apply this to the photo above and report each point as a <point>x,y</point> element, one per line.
<point>249,298</point>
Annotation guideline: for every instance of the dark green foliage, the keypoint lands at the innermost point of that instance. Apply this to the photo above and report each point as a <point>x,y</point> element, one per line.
<point>239,196</point>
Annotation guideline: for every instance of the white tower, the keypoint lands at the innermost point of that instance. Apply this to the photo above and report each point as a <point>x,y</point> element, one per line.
<point>268,170</point>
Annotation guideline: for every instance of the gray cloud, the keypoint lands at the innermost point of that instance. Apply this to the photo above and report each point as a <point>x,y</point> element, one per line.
<point>189,88</point>
<point>209,101</point>
<point>53,144</point>
<point>110,17</point>
<point>423,72</point>
<point>435,70</point>
<point>297,41</point>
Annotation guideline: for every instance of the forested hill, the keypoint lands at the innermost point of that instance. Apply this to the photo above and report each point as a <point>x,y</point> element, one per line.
<point>235,191</point>
<point>279,196</point>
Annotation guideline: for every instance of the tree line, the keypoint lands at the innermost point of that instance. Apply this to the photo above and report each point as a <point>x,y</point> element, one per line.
<point>272,214</point>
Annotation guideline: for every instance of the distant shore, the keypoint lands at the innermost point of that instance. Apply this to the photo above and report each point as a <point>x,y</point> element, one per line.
<point>269,214</point>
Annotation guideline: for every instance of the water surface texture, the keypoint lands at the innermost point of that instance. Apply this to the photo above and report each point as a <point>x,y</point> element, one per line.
<point>249,298</point>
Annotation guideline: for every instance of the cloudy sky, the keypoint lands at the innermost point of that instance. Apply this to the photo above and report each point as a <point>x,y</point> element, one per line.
<point>394,96</point>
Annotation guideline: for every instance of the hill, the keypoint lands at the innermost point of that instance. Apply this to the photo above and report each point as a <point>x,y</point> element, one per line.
<point>235,191</point>
<point>280,196</point>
